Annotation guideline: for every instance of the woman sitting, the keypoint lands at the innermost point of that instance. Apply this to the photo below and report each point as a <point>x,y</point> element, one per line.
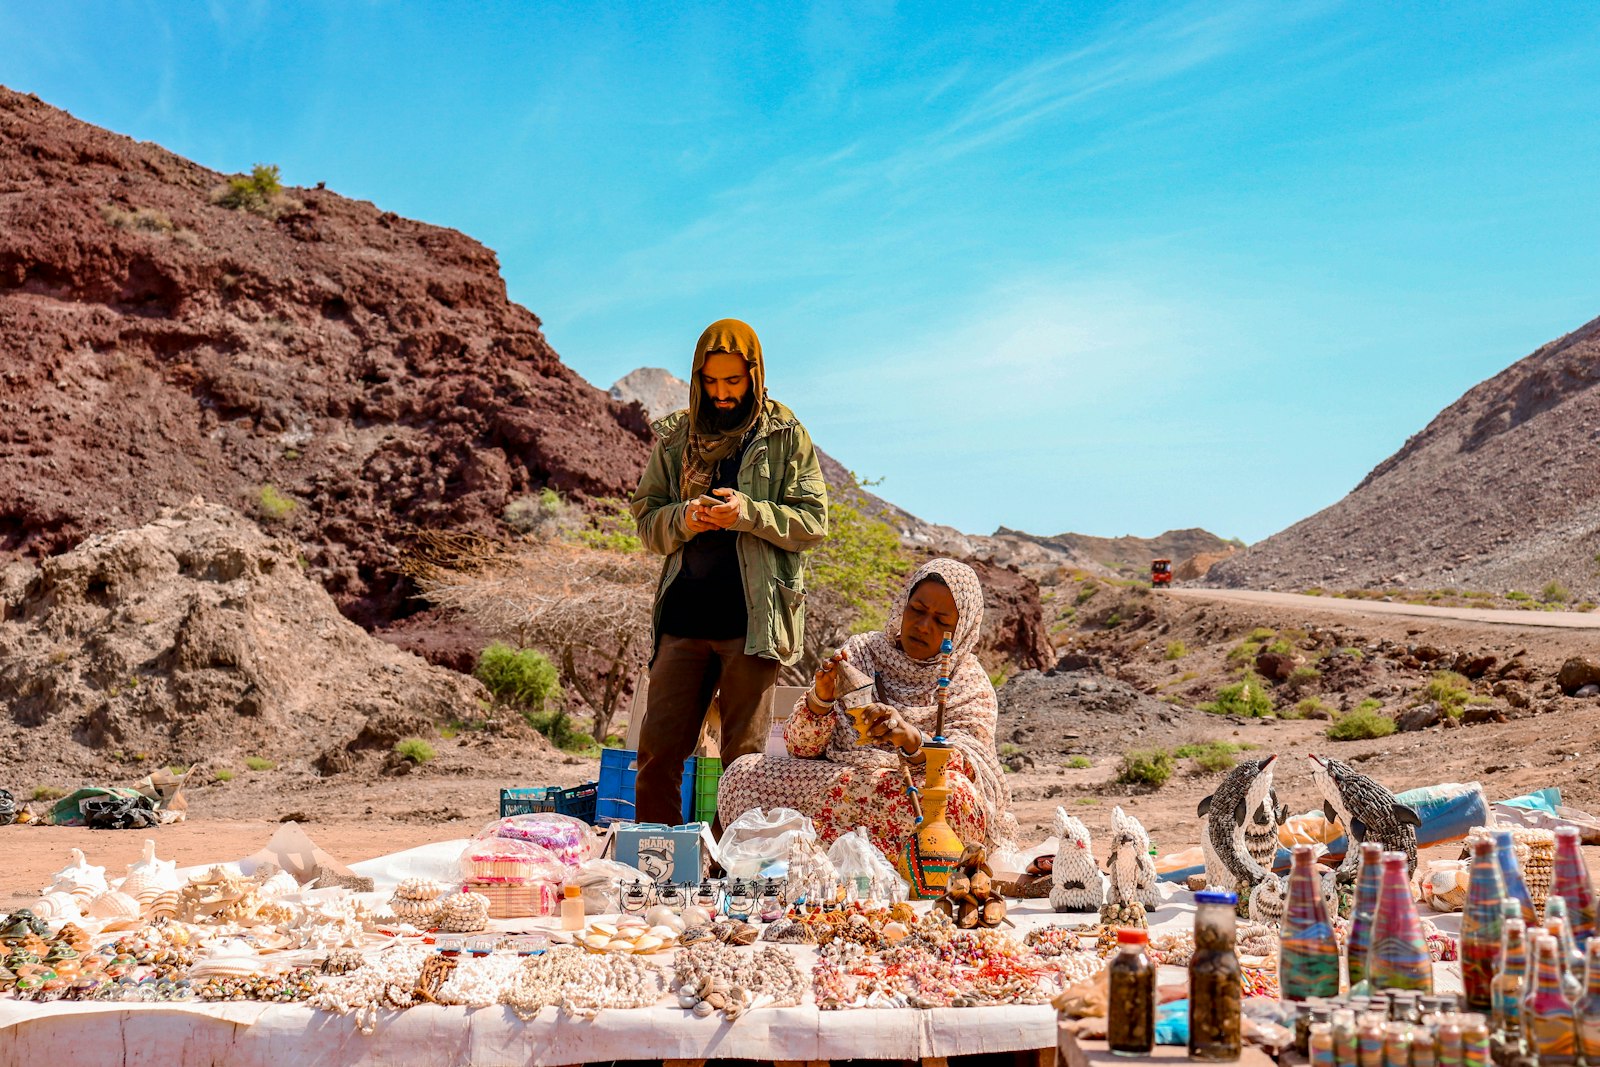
<point>842,784</point>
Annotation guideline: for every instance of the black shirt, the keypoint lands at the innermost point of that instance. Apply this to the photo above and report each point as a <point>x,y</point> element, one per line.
<point>706,598</point>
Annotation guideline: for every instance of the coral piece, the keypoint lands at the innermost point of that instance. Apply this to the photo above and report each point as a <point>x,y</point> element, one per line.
<point>1075,882</point>
<point>1133,871</point>
<point>1240,836</point>
<point>1367,810</point>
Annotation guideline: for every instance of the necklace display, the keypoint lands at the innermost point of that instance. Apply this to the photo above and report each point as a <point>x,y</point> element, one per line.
<point>582,983</point>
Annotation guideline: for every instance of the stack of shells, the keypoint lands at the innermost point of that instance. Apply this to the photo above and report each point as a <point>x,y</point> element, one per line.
<point>1535,850</point>
<point>462,913</point>
<point>416,901</point>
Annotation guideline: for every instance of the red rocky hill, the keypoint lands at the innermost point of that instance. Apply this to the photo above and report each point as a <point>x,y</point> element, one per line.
<point>1499,492</point>
<point>344,373</point>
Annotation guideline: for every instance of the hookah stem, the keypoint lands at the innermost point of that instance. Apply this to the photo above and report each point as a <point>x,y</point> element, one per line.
<point>943,692</point>
<point>911,792</point>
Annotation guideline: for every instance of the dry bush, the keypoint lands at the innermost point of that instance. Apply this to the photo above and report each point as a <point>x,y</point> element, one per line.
<point>570,600</point>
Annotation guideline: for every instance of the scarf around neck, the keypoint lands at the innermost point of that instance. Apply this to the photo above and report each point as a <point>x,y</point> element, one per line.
<point>708,447</point>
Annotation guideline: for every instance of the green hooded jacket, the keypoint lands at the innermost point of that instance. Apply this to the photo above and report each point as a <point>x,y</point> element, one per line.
<point>783,506</point>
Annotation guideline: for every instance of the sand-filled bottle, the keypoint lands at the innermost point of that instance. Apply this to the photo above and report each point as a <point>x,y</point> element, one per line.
<point>1474,1039</point>
<point>1399,956</point>
<point>1369,1039</point>
<point>1507,989</point>
<point>1319,1045</point>
<point>1589,1007</point>
<point>1570,881</point>
<point>1308,952</point>
<point>1480,925</point>
<point>1214,981</point>
<point>1450,1049</point>
<point>1556,924</point>
<point>1511,872</point>
<point>1548,1017</point>
<point>1397,1045</point>
<point>1131,991</point>
<point>1364,910</point>
<point>1344,1037</point>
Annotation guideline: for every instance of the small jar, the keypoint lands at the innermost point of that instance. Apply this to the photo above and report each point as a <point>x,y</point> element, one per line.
<point>1131,985</point>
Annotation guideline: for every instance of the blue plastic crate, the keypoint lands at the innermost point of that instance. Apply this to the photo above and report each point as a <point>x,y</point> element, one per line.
<point>577,801</point>
<point>615,801</point>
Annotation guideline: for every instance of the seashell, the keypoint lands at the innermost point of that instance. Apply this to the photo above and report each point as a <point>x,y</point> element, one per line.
<point>598,942</point>
<point>717,1000</point>
<point>661,915</point>
<point>113,905</point>
<point>695,915</point>
<point>77,874</point>
<point>604,929</point>
<point>57,905</point>
<point>686,1001</point>
<point>703,1009</point>
<point>280,884</point>
<point>893,931</point>
<point>164,906</point>
<point>163,873</point>
<point>648,943</point>
<point>419,889</point>
<point>618,946</point>
<point>743,934</point>
<point>695,935</point>
<point>83,894</point>
<point>136,884</point>
<point>665,933</point>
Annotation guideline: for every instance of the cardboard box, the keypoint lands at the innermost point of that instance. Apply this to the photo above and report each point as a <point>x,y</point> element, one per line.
<point>664,853</point>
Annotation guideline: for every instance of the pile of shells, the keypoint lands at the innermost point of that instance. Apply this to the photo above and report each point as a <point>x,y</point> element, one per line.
<point>628,937</point>
<point>706,995</point>
<point>416,901</point>
<point>220,896</point>
<point>463,913</point>
<point>730,932</point>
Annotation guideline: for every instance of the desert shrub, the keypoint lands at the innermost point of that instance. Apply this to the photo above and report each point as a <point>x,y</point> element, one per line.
<point>256,763</point>
<point>1176,650</point>
<point>1247,697</point>
<point>1361,722</point>
<point>224,775</point>
<point>273,505</point>
<point>1208,755</point>
<point>1085,591</point>
<point>46,792</point>
<point>1449,690</point>
<point>1113,620</point>
<point>1555,593</point>
<point>1309,707</point>
<point>563,733</point>
<point>543,514</point>
<point>1517,594</point>
<point>1146,766</point>
<point>1315,590</point>
<point>611,528</point>
<point>1303,677</point>
<point>257,193</point>
<point>1261,634</point>
<point>1281,647</point>
<point>998,678</point>
<point>140,219</point>
<point>521,678</point>
<point>1244,652</point>
<point>415,749</point>
<point>1078,763</point>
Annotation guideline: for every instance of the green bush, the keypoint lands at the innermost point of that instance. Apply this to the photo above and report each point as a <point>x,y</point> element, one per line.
<point>1361,722</point>
<point>610,527</point>
<point>46,792</point>
<point>1450,691</point>
<point>1281,647</point>
<point>1304,676</point>
<point>521,678</point>
<point>415,749</point>
<point>1146,766</point>
<point>1078,763</point>
<point>1176,650</point>
<point>256,763</point>
<point>273,505</point>
<point>224,775</point>
<point>563,733</point>
<point>541,514</point>
<point>1555,593</point>
<point>1087,590</point>
<point>1209,755</point>
<point>1261,634</point>
<point>1517,594</point>
<point>1308,707</point>
<point>1247,697</point>
<point>257,193</point>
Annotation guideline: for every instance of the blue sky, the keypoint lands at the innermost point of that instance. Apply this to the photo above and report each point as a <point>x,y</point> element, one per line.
<point>1110,268</point>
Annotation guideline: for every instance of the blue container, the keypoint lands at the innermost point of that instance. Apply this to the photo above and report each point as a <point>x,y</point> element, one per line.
<point>618,768</point>
<point>577,801</point>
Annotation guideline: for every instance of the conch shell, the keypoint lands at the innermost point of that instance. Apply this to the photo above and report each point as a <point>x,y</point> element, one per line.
<point>280,884</point>
<point>115,909</point>
<point>57,906</point>
<point>160,873</point>
<point>164,906</point>
<point>78,875</point>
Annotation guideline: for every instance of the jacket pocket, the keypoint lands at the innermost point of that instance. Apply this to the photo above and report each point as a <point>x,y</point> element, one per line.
<point>788,618</point>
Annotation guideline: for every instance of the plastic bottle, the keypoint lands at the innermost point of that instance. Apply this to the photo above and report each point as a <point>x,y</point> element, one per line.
<point>1589,1007</point>
<point>1480,925</point>
<point>1547,1015</point>
<point>1308,952</point>
<point>1364,910</point>
<point>1131,987</point>
<point>1511,873</point>
<point>1399,957</point>
<point>1214,990</point>
<point>1570,881</point>
<point>1507,989</point>
<point>572,908</point>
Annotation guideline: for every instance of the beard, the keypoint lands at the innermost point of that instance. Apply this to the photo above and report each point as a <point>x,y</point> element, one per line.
<point>725,420</point>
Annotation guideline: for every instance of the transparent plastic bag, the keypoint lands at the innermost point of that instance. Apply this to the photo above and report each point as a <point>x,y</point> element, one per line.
<point>1443,885</point>
<point>489,859</point>
<point>757,838</point>
<point>569,840</point>
<point>601,882</point>
<point>866,873</point>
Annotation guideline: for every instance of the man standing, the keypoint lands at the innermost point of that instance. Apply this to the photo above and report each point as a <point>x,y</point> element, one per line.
<point>732,495</point>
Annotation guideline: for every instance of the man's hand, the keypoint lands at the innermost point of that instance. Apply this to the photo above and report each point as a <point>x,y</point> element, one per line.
<point>697,516</point>
<point>724,514</point>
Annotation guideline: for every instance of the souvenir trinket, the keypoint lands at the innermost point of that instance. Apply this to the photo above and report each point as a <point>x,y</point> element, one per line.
<point>1480,925</point>
<point>1548,1017</point>
<point>1133,872</point>
<point>1399,955</point>
<point>670,895</point>
<point>1240,835</point>
<point>971,898</point>
<point>1214,979</point>
<point>636,897</point>
<point>927,858</point>
<point>1573,884</point>
<point>707,893</point>
<point>1367,811</point>
<point>1075,882</point>
<point>1308,953</point>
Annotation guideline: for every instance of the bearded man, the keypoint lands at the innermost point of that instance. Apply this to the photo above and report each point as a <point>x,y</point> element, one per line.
<point>732,496</point>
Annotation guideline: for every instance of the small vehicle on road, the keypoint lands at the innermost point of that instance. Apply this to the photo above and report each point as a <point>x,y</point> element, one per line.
<point>1160,573</point>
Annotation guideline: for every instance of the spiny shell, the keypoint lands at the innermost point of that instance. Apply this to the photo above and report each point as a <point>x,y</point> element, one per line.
<point>77,874</point>
<point>163,873</point>
<point>113,905</point>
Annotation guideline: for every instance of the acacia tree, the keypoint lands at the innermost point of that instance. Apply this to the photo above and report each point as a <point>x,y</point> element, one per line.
<point>577,602</point>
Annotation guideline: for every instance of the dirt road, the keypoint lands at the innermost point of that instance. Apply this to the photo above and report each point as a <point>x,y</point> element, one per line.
<point>1561,620</point>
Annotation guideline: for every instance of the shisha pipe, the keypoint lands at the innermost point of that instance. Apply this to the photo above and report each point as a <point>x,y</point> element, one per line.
<point>941,697</point>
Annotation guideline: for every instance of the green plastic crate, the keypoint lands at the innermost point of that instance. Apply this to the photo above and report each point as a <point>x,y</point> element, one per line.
<point>707,773</point>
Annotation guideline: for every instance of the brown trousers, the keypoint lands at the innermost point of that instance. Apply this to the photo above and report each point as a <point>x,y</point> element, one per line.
<point>685,674</point>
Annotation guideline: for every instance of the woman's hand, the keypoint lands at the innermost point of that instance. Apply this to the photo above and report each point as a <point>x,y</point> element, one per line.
<point>825,684</point>
<point>885,726</point>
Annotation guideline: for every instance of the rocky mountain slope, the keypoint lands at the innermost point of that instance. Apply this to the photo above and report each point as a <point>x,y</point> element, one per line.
<point>1499,492</point>
<point>340,372</point>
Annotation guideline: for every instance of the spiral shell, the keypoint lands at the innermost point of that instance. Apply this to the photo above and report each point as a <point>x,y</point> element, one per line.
<point>164,906</point>
<point>280,884</point>
<point>162,873</point>
<point>79,874</point>
<point>113,905</point>
<point>57,906</point>
<point>418,889</point>
<point>138,883</point>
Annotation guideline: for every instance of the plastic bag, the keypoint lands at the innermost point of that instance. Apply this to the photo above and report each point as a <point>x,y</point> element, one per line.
<point>865,872</point>
<point>758,837</point>
<point>489,859</point>
<point>601,882</point>
<point>569,840</point>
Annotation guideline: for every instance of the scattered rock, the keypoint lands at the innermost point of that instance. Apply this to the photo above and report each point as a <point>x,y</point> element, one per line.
<point>1475,666</point>
<point>1590,690</point>
<point>1511,693</point>
<point>1275,666</point>
<point>1426,653</point>
<point>1076,661</point>
<point>1578,672</point>
<point>1482,713</point>
<point>1418,718</point>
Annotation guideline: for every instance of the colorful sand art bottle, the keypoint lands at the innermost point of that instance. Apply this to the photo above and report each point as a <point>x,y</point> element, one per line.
<point>1320,1046</point>
<point>1397,1045</point>
<point>1557,925</point>
<point>1511,872</point>
<point>1450,1047</point>
<point>1365,909</point>
<point>1344,1037</point>
<point>1548,1018</point>
<point>1589,1007</point>
<point>1507,989</point>
<point>1308,952</point>
<point>1399,957</point>
<point>1369,1039</point>
<point>1571,881</point>
<point>1474,1039</point>
<point>1480,925</point>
